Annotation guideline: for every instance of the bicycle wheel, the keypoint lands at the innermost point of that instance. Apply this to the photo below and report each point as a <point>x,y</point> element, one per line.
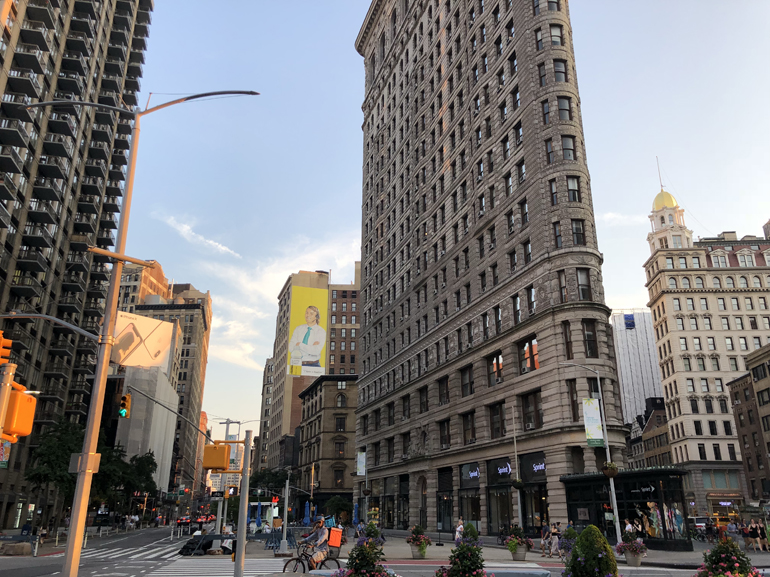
<point>328,562</point>
<point>294,565</point>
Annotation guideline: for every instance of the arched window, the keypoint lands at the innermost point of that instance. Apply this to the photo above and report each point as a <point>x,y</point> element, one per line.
<point>342,400</point>
<point>685,282</point>
<point>662,221</point>
<point>698,282</point>
<point>670,219</point>
<point>672,283</point>
<point>757,282</point>
<point>716,282</point>
<point>730,283</point>
<point>743,282</point>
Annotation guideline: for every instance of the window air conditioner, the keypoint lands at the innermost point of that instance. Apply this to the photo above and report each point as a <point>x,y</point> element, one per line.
<point>404,457</point>
<point>435,291</point>
<point>491,246</point>
<point>443,285</point>
<point>524,370</point>
<point>529,426</point>
<point>444,445</point>
<point>499,380</point>
<point>481,213</point>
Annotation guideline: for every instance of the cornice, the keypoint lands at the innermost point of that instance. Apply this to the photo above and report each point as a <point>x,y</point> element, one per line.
<point>366,27</point>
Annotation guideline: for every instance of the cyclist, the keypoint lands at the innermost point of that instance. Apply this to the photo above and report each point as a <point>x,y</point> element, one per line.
<point>319,540</point>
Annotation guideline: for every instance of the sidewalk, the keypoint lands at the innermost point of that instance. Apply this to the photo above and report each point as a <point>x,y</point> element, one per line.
<point>396,549</point>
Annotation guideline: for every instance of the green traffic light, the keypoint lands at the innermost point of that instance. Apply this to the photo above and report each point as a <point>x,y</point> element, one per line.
<point>122,412</point>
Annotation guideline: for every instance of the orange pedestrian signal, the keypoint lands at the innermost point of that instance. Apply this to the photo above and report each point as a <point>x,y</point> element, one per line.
<point>20,415</point>
<point>5,349</point>
<point>216,457</point>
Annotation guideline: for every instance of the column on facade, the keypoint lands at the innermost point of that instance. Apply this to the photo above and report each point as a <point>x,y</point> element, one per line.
<point>455,495</point>
<point>415,499</point>
<point>559,462</point>
<point>589,460</point>
<point>432,482</point>
<point>483,504</point>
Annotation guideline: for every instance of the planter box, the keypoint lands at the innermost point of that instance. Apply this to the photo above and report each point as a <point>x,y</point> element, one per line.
<point>416,552</point>
<point>633,560</point>
<point>521,554</point>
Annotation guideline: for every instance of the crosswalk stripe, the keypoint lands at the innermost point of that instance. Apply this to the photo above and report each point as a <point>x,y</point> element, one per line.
<point>159,552</point>
<point>216,567</point>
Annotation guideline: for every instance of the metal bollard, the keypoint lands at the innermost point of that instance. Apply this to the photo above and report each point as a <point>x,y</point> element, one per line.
<point>85,538</point>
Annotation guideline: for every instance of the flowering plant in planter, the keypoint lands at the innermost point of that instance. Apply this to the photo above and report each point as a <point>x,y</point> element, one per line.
<point>419,539</point>
<point>633,547</point>
<point>726,559</point>
<point>514,542</point>
<point>465,560</point>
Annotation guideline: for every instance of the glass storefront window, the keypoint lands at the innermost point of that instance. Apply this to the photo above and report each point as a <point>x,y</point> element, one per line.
<point>444,512</point>
<point>500,512</point>
<point>470,507</point>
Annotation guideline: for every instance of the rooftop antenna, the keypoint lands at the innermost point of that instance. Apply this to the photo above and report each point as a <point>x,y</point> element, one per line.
<point>659,177</point>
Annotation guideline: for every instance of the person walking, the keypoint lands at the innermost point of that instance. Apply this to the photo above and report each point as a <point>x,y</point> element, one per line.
<point>709,530</point>
<point>459,529</point>
<point>763,536</point>
<point>545,537</point>
<point>554,541</point>
<point>754,535</point>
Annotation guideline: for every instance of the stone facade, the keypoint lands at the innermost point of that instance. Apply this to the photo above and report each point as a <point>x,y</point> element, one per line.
<point>268,382</point>
<point>709,302</point>
<point>481,272</point>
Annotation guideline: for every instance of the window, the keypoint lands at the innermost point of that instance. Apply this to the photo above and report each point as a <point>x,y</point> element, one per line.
<point>532,411</point>
<point>567,333</point>
<point>573,397</point>
<point>557,234</point>
<point>469,428</point>
<point>701,451</point>
<point>698,428</point>
<point>541,73</point>
<point>578,233</point>
<point>554,197</point>
<point>584,284</point>
<point>497,420</point>
<point>556,35</point>
<point>549,151</point>
<point>443,390</point>
<point>342,400</point>
<point>589,338</point>
<point>527,247</point>
<point>573,188</point>
<point>546,112</point>
<point>531,300</point>
<point>717,452</point>
<point>563,295</point>
<point>528,358</point>
<point>568,147</point>
<point>495,369</point>
<point>539,39</point>
<point>443,433</point>
<point>694,406</point>
<point>423,399</point>
<point>466,381</point>
<point>339,424</point>
<point>565,108</point>
<point>560,70</point>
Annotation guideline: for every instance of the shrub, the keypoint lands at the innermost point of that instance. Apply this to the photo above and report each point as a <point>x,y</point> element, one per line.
<point>419,539</point>
<point>567,541</point>
<point>465,559</point>
<point>591,556</point>
<point>726,558</point>
<point>366,556</point>
<point>470,532</point>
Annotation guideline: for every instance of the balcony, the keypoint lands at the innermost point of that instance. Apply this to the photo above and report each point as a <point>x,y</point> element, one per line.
<point>53,167</point>
<point>133,83</point>
<point>61,347</point>
<point>30,56</point>
<point>42,212</point>
<point>21,337</point>
<point>41,11</point>
<point>77,407</point>
<point>26,286</point>
<point>111,204</point>
<point>31,260</point>
<point>122,19</point>
<point>102,133</point>
<point>74,62</point>
<point>24,82</point>
<point>114,188</point>
<point>80,385</point>
<point>34,32</point>
<point>82,23</point>
<point>60,123</point>
<point>121,143</point>
<point>111,82</point>
<point>100,272</point>
<point>71,304</point>
<point>136,56</point>
<point>70,82</point>
<point>85,223</point>
<point>129,97</point>
<point>113,66</point>
<point>124,126</point>
<point>63,96</point>
<point>13,133</point>
<point>10,160</point>
<point>119,37</point>
<point>93,308</point>
<point>105,237</point>
<point>116,172</point>
<point>87,7</point>
<point>109,98</point>
<point>5,217</point>
<point>138,43</point>
<point>96,167</point>
<point>98,290</point>
<point>92,326</point>
<point>119,158</point>
<point>117,51</point>
<point>88,204</point>
<point>135,69</point>
<point>80,42</point>
<point>105,116</point>
<point>53,391</point>
<point>13,106</point>
<point>37,236</point>
<point>108,220</point>
<point>77,262</point>
<point>143,16</point>
<point>91,185</point>
<point>99,150</point>
<point>73,283</point>
<point>7,187</point>
<point>48,415</point>
<point>81,242</point>
<point>84,364</point>
<point>57,370</point>
<point>58,145</point>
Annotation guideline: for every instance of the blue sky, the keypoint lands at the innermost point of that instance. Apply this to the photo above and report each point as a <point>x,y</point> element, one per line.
<point>234,194</point>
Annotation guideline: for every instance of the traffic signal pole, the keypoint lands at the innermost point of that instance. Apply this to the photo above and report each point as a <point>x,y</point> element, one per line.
<point>243,505</point>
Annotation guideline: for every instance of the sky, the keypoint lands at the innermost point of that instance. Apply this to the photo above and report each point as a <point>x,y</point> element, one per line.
<point>234,194</point>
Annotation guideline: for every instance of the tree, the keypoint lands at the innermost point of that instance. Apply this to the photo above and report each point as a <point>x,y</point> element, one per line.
<point>272,480</point>
<point>591,556</point>
<point>337,506</point>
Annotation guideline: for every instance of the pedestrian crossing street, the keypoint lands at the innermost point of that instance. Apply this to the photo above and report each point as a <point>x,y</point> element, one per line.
<point>135,553</point>
<point>217,567</point>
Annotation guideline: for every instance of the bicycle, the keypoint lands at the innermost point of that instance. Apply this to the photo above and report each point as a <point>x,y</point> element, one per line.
<point>503,534</point>
<point>300,563</point>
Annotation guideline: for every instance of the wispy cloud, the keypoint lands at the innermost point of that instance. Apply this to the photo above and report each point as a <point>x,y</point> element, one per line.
<point>186,231</point>
<point>616,219</point>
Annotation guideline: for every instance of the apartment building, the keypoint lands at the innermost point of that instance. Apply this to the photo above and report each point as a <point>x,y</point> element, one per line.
<point>344,323</point>
<point>139,282</point>
<point>268,382</point>
<point>750,395</point>
<point>327,439</point>
<point>61,182</point>
<point>709,300</point>
<point>481,273</point>
<point>636,359</point>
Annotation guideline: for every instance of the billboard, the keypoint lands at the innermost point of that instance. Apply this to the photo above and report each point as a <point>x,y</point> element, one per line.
<point>141,341</point>
<point>593,421</point>
<point>308,335</point>
<point>5,454</point>
<point>361,463</point>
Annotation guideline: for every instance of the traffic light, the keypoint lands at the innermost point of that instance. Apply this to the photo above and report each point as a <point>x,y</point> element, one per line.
<point>125,406</point>
<point>19,416</point>
<point>232,491</point>
<point>5,349</point>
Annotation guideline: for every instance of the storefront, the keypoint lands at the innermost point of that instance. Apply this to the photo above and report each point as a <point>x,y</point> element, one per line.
<point>388,513</point>
<point>534,497</point>
<point>500,492</point>
<point>402,503</point>
<point>444,500</point>
<point>470,500</point>
<point>373,514</point>
<point>652,499</point>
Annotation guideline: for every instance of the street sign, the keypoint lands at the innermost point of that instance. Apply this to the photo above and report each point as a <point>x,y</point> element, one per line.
<point>217,494</point>
<point>217,499</point>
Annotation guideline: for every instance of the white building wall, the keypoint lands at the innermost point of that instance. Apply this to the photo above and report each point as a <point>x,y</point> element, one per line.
<point>638,370</point>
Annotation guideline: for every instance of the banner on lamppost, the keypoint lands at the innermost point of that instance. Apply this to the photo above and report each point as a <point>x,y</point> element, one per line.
<point>593,421</point>
<point>361,463</point>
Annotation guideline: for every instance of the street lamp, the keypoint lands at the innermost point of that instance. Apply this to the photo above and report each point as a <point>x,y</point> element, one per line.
<point>87,463</point>
<point>606,443</point>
